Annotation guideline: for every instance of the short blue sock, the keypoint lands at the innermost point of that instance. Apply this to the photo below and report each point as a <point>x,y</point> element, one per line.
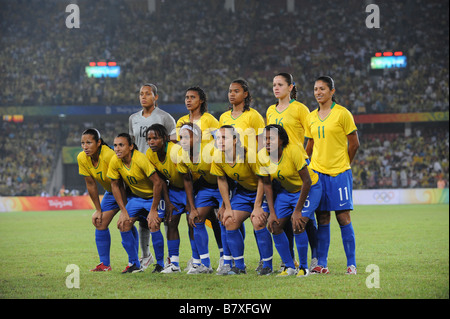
<point>282,245</point>
<point>158,246</point>
<point>348,239</point>
<point>174,251</point>
<point>201,240</point>
<point>236,245</point>
<point>129,244</point>
<point>301,240</point>
<point>264,242</point>
<point>103,241</point>
<point>227,258</point>
<point>323,244</point>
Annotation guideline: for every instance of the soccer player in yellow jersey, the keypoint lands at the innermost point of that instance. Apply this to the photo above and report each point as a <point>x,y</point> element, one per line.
<point>203,196</point>
<point>246,120</point>
<point>332,145</point>
<point>93,163</point>
<point>297,196</point>
<point>163,154</point>
<point>235,162</point>
<point>196,103</point>
<point>291,115</point>
<point>134,168</point>
<point>288,112</point>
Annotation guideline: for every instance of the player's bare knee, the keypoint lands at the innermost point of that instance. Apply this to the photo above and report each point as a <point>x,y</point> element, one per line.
<point>343,218</point>
<point>323,218</point>
<point>257,224</point>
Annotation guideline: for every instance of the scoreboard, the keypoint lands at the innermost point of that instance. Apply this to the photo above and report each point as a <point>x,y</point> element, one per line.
<point>103,70</point>
<point>388,60</point>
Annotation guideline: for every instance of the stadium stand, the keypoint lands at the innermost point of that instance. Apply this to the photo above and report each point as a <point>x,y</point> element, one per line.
<point>43,62</point>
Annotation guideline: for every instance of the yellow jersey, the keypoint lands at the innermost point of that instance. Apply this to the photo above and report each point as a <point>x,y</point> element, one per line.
<point>99,172</point>
<point>243,171</point>
<point>249,125</point>
<point>287,168</point>
<point>137,176</point>
<point>292,119</point>
<point>202,167</point>
<point>168,167</point>
<point>330,151</point>
<point>207,124</point>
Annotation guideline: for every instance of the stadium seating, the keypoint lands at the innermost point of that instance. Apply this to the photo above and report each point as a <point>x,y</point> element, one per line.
<point>42,62</point>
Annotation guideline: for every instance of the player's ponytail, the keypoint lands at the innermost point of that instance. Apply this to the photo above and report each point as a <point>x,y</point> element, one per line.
<point>290,80</point>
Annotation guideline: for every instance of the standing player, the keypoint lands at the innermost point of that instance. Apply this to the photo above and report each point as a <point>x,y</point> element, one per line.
<point>248,123</point>
<point>297,197</point>
<point>288,112</point>
<point>197,104</point>
<point>235,162</point>
<point>163,154</point>
<point>291,115</point>
<point>135,169</point>
<point>333,142</point>
<point>138,124</point>
<point>246,120</point>
<point>93,163</point>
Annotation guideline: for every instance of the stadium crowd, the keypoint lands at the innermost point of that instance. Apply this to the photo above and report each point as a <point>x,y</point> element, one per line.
<point>42,62</point>
<point>394,160</point>
<point>28,152</point>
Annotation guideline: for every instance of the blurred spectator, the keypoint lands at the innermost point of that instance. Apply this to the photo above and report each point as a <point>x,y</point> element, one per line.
<point>386,160</point>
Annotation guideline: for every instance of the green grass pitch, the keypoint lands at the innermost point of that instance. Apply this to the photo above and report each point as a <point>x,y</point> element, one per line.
<point>408,244</point>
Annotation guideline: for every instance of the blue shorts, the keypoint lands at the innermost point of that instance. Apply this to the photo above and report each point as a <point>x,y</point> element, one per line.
<point>337,191</point>
<point>244,200</point>
<point>138,207</point>
<point>208,197</point>
<point>108,202</point>
<point>285,202</point>
<point>177,197</point>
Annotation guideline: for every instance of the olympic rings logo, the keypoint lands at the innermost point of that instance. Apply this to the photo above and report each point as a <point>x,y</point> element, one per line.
<point>383,196</point>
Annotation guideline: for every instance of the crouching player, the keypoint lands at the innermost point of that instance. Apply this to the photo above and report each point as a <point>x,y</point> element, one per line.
<point>297,196</point>
<point>138,173</point>
<point>164,155</point>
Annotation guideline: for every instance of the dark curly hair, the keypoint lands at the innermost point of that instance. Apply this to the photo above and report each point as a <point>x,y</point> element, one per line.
<point>282,134</point>
<point>202,96</point>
